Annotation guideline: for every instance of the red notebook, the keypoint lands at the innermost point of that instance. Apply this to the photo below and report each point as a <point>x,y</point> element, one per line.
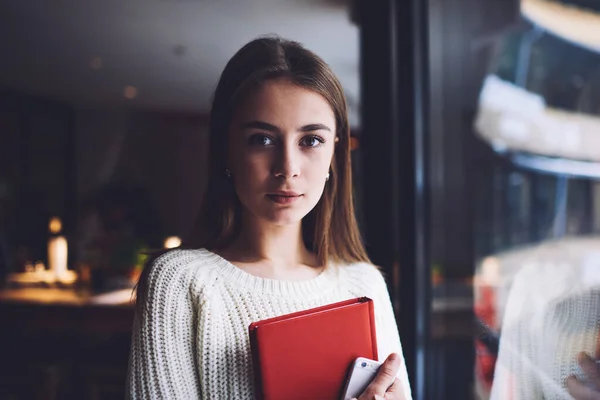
<point>307,354</point>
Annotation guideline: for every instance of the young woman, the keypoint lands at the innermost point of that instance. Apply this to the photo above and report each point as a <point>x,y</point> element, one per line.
<point>276,234</point>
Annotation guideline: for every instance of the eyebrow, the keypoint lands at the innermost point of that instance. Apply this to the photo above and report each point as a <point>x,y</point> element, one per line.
<point>272,128</point>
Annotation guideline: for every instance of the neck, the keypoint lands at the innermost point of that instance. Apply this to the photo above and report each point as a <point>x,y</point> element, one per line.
<point>280,246</point>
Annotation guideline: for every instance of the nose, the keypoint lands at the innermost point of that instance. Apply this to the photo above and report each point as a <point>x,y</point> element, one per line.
<point>287,163</point>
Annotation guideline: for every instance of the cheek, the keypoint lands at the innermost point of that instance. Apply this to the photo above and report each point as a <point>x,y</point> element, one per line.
<point>315,172</point>
<point>254,166</point>
<point>250,174</point>
<point>244,162</point>
<point>320,163</point>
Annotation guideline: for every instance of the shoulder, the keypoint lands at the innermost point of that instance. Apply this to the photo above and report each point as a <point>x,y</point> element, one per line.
<point>364,277</point>
<point>179,271</point>
<point>178,262</point>
<point>362,271</point>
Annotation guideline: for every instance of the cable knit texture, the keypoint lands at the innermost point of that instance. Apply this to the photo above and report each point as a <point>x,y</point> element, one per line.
<point>191,340</point>
<point>551,315</point>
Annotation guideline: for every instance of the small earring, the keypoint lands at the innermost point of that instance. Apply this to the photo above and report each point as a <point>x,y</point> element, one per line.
<point>228,172</point>
<point>327,177</point>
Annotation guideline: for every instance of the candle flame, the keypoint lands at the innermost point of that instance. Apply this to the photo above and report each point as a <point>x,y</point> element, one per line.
<point>172,242</point>
<point>55,225</point>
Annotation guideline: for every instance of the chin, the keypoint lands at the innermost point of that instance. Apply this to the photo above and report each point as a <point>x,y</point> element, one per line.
<point>279,215</point>
<point>283,218</point>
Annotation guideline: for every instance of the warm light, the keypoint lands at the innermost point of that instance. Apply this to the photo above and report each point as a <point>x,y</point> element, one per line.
<point>130,92</point>
<point>172,242</point>
<point>96,63</point>
<point>39,267</point>
<point>490,269</point>
<point>67,277</point>
<point>576,24</point>
<point>57,256</point>
<point>55,225</point>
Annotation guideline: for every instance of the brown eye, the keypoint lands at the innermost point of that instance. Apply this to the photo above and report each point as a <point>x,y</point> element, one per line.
<point>312,141</point>
<point>261,140</point>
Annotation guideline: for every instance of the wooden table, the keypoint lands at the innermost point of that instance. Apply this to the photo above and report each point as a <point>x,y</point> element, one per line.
<point>66,310</point>
<point>64,343</point>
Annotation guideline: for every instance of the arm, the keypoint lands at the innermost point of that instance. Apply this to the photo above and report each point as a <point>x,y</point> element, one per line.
<point>162,362</point>
<point>388,339</point>
<point>516,375</point>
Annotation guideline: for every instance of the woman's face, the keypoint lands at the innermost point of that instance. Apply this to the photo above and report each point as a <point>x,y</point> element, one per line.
<point>281,144</point>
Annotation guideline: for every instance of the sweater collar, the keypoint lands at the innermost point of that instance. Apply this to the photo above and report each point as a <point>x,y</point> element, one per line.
<point>241,278</point>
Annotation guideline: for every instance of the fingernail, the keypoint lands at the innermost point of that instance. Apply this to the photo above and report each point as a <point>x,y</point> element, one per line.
<point>393,357</point>
<point>378,397</point>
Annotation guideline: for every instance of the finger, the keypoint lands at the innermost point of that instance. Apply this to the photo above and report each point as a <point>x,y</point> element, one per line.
<point>396,391</point>
<point>384,379</point>
<point>590,368</point>
<point>580,391</point>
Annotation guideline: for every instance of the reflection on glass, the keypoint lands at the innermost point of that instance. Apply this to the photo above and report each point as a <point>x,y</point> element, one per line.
<point>537,284</point>
<point>548,301</point>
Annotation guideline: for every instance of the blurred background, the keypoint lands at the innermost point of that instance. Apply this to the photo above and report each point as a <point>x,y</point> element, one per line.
<point>476,158</point>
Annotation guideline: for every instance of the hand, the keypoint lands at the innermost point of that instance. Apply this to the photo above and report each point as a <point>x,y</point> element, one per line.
<point>589,390</point>
<point>385,386</point>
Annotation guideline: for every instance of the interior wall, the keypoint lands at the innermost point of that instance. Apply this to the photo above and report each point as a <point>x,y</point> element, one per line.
<point>166,153</point>
<point>34,133</point>
<point>53,157</point>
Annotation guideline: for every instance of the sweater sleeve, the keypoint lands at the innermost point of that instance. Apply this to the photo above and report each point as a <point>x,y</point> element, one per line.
<point>162,362</point>
<point>388,338</point>
<point>367,280</point>
<point>516,375</point>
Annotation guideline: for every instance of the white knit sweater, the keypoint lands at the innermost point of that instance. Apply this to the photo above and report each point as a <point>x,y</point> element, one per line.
<point>552,314</point>
<point>191,341</point>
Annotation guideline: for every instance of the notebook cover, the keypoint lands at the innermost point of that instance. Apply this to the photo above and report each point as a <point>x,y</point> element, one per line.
<point>307,354</point>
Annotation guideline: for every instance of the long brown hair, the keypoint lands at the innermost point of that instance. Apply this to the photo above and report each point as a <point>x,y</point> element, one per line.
<point>330,229</point>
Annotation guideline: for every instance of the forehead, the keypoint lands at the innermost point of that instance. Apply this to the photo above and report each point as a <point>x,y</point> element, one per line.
<point>285,104</point>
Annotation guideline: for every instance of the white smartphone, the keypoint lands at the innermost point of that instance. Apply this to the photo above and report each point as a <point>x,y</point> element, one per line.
<point>362,372</point>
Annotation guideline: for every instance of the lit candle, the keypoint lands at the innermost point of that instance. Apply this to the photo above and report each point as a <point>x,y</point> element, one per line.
<point>172,242</point>
<point>57,251</point>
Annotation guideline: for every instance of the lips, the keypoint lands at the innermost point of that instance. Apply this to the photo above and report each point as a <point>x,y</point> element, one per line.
<point>284,197</point>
